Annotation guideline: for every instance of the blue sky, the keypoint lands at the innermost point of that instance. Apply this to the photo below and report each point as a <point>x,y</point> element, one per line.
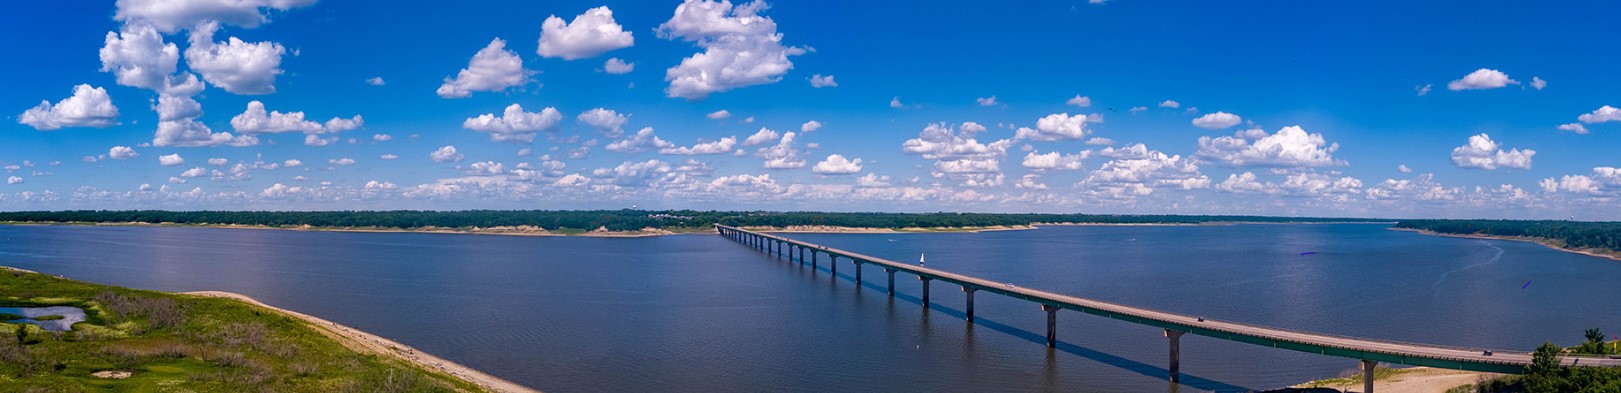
<point>1301,108</point>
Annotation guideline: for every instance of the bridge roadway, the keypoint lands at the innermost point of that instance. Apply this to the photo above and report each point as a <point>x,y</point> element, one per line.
<point>1368,351</point>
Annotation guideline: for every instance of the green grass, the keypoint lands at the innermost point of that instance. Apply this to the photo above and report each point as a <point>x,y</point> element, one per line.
<point>48,317</point>
<point>185,343</point>
<point>9,317</point>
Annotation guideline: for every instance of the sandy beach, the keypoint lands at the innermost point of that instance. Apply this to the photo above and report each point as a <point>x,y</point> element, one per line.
<point>370,343</point>
<point>1409,380</point>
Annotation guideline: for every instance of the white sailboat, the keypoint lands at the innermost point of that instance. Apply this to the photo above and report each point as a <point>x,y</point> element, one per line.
<point>920,259</point>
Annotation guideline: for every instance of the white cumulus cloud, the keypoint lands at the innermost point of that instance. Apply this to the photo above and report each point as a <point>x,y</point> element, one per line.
<point>1057,126</point>
<point>1079,101</point>
<point>255,119</point>
<point>741,48</point>
<point>820,81</point>
<point>1483,153</point>
<point>1602,114</point>
<point>1482,79</point>
<point>88,107</point>
<point>1291,146</point>
<point>171,160</point>
<point>589,35</point>
<point>606,121</point>
<point>617,67</point>
<point>836,164</point>
<point>515,125</point>
<point>1216,121</point>
<point>445,154</point>
<point>234,65</point>
<point>122,153</point>
<point>492,69</point>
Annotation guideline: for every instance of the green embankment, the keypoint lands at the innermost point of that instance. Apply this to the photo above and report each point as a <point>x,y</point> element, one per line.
<point>184,343</point>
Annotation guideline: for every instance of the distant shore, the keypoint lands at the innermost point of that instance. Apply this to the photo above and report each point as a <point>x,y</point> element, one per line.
<point>530,230</point>
<point>364,342</point>
<point>1615,255</point>
<point>1402,380</point>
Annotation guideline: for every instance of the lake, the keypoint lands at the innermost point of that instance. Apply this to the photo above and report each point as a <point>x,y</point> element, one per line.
<point>701,313</point>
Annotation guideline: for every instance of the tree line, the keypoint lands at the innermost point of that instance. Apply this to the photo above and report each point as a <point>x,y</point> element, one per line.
<point>615,220</point>
<point>1569,234</point>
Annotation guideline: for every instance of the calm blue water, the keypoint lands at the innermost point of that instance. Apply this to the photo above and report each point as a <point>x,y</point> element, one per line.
<point>70,316</point>
<point>701,313</point>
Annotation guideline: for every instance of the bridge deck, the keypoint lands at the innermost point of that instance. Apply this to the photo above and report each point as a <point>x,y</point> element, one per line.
<point>1350,347</point>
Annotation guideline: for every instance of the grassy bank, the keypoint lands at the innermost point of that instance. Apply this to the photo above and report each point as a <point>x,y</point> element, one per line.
<point>170,342</point>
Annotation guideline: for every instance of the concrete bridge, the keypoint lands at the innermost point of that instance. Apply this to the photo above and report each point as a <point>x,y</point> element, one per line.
<point>1370,352</point>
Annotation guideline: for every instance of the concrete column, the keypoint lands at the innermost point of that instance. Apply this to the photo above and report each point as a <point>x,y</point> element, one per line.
<point>801,253</point>
<point>970,292</point>
<point>858,274</point>
<point>1367,375</point>
<point>833,266</point>
<point>1176,354</point>
<point>1052,325</point>
<point>891,272</point>
<point>925,281</point>
<point>813,256</point>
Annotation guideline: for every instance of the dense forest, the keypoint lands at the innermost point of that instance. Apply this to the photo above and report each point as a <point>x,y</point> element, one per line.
<point>1567,234</point>
<point>614,220</point>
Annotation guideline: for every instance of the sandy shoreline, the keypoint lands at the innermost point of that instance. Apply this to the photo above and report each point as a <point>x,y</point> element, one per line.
<point>370,343</point>
<point>1543,242</point>
<point>1408,380</point>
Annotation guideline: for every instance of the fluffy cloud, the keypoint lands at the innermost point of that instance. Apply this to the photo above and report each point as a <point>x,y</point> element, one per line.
<point>1601,180</point>
<point>190,133</point>
<point>14,180</point>
<point>1100,141</point>
<point>445,154</point>
<point>1137,171</point>
<point>1422,188</point>
<point>1054,161</point>
<point>642,141</point>
<point>1482,79</point>
<point>1290,147</point>
<point>1602,114</point>
<point>1216,121</point>
<point>763,136</point>
<point>138,57</point>
<point>820,81</point>
<point>1483,153</point>
<point>986,101</point>
<point>1170,104</point>
<point>257,120</point>
<point>88,107</point>
<point>720,114</point>
<point>341,161</point>
<point>783,155</point>
<point>171,16</point>
<point>291,163</point>
<point>810,126</point>
<point>171,160</point>
<point>722,146</point>
<point>837,165</point>
<point>589,35</point>
<point>608,122</point>
<point>617,67</point>
<point>1574,127</point>
<point>1057,126</point>
<point>218,161</point>
<point>122,153</point>
<point>515,125</point>
<point>173,107</point>
<point>1538,83</point>
<point>376,81</point>
<point>236,66</point>
<point>492,69</point>
<point>741,48</point>
<point>1079,101</point>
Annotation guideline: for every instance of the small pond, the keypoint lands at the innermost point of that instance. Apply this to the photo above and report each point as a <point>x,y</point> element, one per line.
<point>70,316</point>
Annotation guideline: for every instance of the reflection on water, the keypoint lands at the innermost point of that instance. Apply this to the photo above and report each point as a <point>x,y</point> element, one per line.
<point>702,313</point>
<point>70,316</point>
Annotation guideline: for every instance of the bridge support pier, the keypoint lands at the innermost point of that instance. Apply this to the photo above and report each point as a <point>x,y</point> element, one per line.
<point>1176,354</point>
<point>891,272</point>
<point>1052,324</point>
<point>813,257</point>
<point>1367,375</point>
<point>925,281</point>
<point>858,273</point>
<point>970,292</point>
<point>833,266</point>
